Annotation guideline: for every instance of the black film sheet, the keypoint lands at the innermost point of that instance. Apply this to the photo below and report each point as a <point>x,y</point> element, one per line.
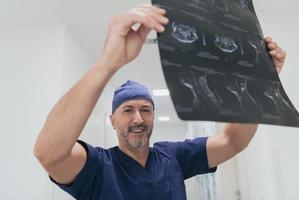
<point>216,64</point>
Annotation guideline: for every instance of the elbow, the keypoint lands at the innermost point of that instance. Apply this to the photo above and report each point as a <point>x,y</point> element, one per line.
<point>234,144</point>
<point>38,152</point>
<point>39,149</point>
<point>42,154</point>
<point>44,158</point>
<point>239,136</point>
<point>239,146</point>
<point>48,155</point>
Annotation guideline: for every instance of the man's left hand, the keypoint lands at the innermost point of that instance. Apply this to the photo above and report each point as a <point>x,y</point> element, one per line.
<point>277,53</point>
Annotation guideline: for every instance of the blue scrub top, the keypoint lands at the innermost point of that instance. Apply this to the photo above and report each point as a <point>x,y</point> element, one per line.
<point>110,174</point>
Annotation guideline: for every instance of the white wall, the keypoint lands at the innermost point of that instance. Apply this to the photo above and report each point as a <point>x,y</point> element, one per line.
<point>37,64</point>
<point>267,170</point>
<point>285,158</point>
<point>30,63</point>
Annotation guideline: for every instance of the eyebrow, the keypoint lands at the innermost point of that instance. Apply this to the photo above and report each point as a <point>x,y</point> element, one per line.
<point>129,106</point>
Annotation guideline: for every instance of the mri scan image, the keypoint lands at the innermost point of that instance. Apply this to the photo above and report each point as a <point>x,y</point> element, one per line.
<point>225,43</point>
<point>184,33</point>
<point>217,66</point>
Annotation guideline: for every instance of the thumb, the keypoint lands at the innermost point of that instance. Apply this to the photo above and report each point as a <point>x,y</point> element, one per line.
<point>143,32</point>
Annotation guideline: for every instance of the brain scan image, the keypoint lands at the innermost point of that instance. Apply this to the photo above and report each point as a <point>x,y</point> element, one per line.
<point>184,33</point>
<point>225,43</point>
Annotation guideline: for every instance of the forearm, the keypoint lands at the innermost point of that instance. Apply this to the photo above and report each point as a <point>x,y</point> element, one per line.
<point>240,135</point>
<point>65,122</point>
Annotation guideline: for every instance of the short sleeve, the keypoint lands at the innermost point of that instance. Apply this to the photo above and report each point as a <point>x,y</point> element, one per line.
<point>83,185</point>
<point>192,156</point>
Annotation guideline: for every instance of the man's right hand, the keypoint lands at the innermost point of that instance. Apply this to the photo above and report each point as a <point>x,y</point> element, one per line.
<point>123,43</point>
<point>56,146</point>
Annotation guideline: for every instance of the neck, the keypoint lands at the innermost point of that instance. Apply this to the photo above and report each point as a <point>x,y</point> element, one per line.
<point>138,154</point>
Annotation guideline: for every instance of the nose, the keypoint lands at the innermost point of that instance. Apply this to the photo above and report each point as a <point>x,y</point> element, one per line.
<point>137,119</point>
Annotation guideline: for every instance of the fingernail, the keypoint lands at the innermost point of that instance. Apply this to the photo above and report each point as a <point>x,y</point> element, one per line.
<point>165,19</point>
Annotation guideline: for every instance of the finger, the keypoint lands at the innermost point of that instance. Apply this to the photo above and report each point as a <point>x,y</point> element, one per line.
<point>145,18</point>
<point>156,24</point>
<point>272,45</point>
<point>139,16</point>
<point>281,55</point>
<point>143,32</point>
<point>159,18</point>
<point>275,51</point>
<point>268,39</point>
<point>138,11</point>
<point>154,8</point>
<point>156,14</point>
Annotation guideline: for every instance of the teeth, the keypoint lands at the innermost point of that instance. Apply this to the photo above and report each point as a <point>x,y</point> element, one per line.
<point>137,130</point>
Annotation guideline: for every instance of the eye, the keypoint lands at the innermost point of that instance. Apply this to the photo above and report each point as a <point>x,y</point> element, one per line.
<point>128,110</point>
<point>145,110</point>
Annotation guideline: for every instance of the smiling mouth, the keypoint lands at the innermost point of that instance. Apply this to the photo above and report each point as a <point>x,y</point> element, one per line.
<point>137,130</point>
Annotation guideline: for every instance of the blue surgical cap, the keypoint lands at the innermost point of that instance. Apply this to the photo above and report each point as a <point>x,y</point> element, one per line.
<point>130,90</point>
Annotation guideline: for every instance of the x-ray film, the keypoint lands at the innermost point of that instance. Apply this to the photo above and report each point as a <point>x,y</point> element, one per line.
<point>217,66</point>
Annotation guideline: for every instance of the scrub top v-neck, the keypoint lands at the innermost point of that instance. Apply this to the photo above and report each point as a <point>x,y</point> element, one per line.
<point>110,174</point>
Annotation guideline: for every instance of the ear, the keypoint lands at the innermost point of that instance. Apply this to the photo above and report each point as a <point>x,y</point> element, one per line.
<point>112,120</point>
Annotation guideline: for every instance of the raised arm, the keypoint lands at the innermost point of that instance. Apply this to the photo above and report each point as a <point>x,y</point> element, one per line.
<point>56,146</point>
<point>235,136</point>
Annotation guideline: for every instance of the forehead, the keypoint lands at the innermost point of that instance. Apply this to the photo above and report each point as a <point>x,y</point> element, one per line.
<point>136,103</point>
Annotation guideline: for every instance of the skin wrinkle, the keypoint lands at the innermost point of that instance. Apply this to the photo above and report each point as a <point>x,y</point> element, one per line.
<point>124,136</point>
<point>134,115</point>
<point>56,146</point>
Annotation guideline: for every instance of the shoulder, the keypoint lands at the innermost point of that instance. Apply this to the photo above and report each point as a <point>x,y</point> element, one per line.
<point>165,147</point>
<point>97,153</point>
<point>166,150</point>
<point>175,146</point>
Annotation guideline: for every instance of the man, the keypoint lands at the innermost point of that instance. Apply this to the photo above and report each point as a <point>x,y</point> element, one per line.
<point>132,170</point>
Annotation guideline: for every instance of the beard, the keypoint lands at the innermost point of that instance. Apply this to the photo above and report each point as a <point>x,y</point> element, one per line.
<point>129,136</point>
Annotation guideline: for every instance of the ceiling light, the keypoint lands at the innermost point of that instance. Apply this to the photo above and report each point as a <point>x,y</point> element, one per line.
<point>161,92</point>
<point>164,118</point>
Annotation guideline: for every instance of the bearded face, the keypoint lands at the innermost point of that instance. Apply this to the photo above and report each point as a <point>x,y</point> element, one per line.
<point>133,122</point>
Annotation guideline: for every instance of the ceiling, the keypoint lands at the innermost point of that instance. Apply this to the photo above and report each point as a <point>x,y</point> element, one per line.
<point>88,21</point>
